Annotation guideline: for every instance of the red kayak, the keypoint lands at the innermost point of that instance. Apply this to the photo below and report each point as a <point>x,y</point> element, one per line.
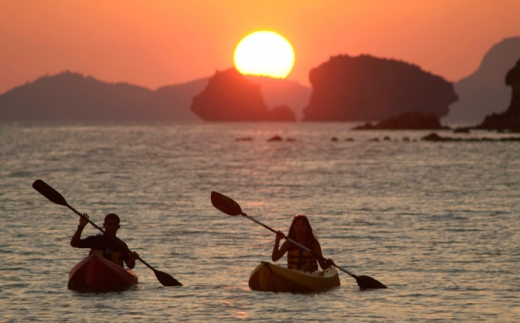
<point>97,274</point>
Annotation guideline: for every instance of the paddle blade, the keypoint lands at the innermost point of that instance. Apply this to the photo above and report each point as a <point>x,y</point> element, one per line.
<point>49,192</point>
<point>225,204</point>
<point>165,279</point>
<point>366,282</point>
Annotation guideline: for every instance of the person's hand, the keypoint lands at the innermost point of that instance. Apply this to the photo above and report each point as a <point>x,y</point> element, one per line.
<point>328,263</point>
<point>83,220</point>
<point>279,235</point>
<point>134,255</point>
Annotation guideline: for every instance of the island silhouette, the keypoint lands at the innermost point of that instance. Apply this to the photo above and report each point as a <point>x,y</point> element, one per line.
<point>367,88</point>
<point>231,96</point>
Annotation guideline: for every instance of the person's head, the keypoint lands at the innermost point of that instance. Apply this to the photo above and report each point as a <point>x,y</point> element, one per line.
<point>301,230</point>
<point>111,224</point>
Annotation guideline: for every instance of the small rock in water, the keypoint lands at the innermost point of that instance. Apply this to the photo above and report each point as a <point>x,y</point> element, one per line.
<point>275,138</point>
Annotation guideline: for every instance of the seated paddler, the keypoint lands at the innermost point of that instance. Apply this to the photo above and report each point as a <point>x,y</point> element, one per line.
<point>105,245</point>
<point>298,258</point>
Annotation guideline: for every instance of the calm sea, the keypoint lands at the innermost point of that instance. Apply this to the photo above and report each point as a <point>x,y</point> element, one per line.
<point>437,223</point>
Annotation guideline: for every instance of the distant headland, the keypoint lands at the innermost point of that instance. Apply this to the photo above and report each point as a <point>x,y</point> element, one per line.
<point>74,97</point>
<point>483,92</point>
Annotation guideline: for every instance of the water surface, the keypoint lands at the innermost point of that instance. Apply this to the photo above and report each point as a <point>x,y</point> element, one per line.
<point>436,222</point>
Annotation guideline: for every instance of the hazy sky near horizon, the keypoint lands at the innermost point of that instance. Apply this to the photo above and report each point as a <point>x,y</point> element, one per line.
<point>163,42</point>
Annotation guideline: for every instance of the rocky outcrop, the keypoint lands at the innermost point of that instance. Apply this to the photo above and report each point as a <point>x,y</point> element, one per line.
<point>483,92</point>
<point>437,138</point>
<point>367,88</point>
<point>510,119</point>
<point>230,96</point>
<point>283,92</point>
<point>513,80</point>
<point>406,121</point>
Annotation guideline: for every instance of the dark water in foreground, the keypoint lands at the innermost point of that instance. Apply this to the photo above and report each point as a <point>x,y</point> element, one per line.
<point>436,222</point>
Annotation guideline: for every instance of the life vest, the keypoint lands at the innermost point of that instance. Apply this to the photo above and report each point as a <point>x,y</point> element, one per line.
<point>115,258</point>
<point>297,258</point>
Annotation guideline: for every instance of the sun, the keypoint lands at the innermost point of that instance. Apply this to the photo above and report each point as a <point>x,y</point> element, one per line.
<point>264,53</point>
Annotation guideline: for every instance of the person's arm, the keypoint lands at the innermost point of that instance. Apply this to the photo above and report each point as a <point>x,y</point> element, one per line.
<point>278,252</point>
<point>75,241</point>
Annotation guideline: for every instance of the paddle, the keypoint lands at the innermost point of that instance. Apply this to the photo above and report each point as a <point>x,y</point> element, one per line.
<point>55,197</point>
<point>230,207</point>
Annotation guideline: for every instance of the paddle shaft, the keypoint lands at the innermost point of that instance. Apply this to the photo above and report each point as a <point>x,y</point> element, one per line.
<point>296,243</point>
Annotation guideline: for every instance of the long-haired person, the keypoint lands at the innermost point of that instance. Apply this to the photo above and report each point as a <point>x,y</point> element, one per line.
<point>297,258</point>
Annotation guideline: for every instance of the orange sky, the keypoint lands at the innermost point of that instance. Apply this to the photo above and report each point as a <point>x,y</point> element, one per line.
<point>162,42</point>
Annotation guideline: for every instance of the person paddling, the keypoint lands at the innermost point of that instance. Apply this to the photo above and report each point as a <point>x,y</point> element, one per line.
<point>105,245</point>
<point>297,258</point>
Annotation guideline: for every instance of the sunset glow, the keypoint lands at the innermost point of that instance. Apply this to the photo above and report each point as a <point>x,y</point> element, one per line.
<point>156,43</point>
<point>264,53</point>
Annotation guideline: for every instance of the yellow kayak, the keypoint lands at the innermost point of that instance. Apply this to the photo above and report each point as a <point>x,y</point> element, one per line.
<point>269,277</point>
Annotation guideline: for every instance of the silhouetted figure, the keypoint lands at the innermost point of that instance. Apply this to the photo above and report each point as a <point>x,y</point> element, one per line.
<point>104,244</point>
<point>301,232</point>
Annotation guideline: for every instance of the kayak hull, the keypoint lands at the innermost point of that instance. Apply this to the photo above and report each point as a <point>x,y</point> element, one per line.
<point>269,277</point>
<point>97,274</point>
